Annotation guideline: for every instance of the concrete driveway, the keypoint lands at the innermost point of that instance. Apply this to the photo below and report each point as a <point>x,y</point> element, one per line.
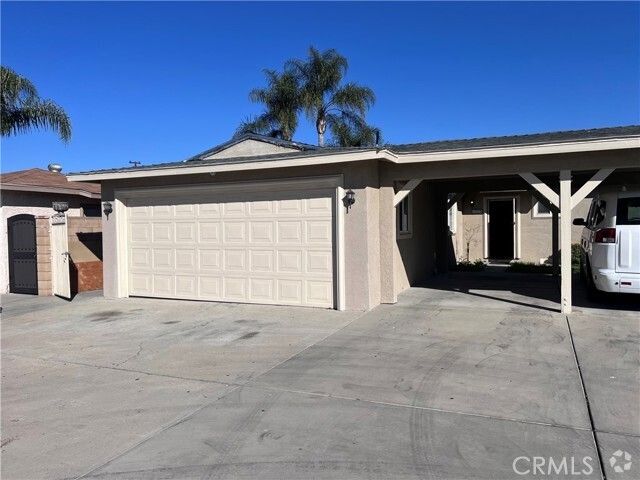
<point>458,380</point>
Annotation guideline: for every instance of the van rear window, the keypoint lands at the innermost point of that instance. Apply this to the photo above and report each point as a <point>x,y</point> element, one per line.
<point>628,211</point>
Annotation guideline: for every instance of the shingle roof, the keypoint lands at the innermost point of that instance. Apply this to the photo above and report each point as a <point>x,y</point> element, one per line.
<point>253,136</point>
<point>37,177</point>
<point>424,147</point>
<point>529,139</point>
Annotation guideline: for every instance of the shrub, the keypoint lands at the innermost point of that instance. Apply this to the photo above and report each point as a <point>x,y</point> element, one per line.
<point>467,266</point>
<point>576,253</point>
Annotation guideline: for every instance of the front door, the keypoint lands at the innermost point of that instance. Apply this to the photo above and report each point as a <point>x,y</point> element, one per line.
<point>23,267</point>
<point>501,224</point>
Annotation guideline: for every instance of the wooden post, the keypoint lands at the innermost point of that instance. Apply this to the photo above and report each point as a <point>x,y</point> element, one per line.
<point>554,242</point>
<point>565,240</point>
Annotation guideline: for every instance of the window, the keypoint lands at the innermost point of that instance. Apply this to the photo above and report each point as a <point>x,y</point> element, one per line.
<point>540,210</point>
<point>628,211</point>
<point>404,217</point>
<point>91,210</point>
<point>599,212</point>
<point>452,218</point>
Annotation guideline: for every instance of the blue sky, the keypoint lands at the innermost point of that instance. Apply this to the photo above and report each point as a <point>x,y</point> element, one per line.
<point>157,82</point>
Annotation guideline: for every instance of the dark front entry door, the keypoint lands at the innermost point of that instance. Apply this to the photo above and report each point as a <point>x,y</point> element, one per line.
<point>501,238</point>
<point>23,269</point>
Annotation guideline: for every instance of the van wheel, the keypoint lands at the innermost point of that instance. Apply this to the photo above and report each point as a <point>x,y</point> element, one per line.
<point>593,294</point>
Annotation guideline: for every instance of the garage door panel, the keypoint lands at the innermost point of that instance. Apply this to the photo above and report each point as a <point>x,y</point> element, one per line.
<point>289,231</point>
<point>263,207</point>
<point>318,206</point>
<point>234,231</point>
<point>162,211</point>
<point>276,248</point>
<point>289,207</point>
<point>290,291</point>
<point>234,209</point>
<point>234,260</point>
<point>261,261</point>
<point>290,261</point>
<point>319,263</point>
<point>209,210</point>
<point>261,290</point>
<point>234,288</point>
<point>162,232</point>
<point>163,258</point>
<point>318,292</point>
<point>186,259</point>
<point>185,232</point>
<point>209,260</point>
<point>163,285</point>
<point>318,231</point>
<point>208,287</point>
<point>140,284</point>
<point>186,286</point>
<point>209,232</point>
<point>140,233</point>
<point>261,232</point>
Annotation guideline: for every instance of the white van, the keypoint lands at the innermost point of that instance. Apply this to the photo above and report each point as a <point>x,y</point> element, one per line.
<point>610,260</point>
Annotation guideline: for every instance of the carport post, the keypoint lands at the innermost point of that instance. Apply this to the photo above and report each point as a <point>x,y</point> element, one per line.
<point>554,241</point>
<point>565,241</point>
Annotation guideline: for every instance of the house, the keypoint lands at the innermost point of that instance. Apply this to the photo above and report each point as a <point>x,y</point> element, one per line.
<point>272,222</point>
<point>26,199</point>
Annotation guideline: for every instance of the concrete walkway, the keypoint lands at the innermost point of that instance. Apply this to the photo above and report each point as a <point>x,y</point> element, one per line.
<point>457,380</point>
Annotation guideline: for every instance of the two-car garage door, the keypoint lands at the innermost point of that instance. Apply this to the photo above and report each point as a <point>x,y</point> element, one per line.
<point>271,248</point>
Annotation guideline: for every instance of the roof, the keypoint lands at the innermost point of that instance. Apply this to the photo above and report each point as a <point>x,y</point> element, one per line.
<point>400,150</point>
<point>513,140</point>
<point>39,180</point>
<point>252,136</point>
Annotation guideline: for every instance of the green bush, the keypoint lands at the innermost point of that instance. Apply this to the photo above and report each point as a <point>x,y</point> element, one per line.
<point>467,266</point>
<point>576,253</point>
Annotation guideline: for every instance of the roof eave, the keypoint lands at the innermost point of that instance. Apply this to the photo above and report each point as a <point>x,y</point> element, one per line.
<point>52,190</point>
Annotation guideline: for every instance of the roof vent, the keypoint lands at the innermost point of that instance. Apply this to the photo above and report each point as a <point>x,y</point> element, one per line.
<point>55,167</point>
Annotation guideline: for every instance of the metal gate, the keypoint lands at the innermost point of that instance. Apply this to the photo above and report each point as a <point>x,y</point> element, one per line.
<point>23,267</point>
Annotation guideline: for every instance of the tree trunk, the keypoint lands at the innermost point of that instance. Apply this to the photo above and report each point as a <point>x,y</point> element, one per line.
<point>321,126</point>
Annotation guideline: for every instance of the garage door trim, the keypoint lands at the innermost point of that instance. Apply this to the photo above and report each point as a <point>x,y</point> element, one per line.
<point>335,182</point>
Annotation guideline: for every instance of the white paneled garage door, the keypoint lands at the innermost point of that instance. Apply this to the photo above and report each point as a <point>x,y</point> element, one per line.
<point>272,248</point>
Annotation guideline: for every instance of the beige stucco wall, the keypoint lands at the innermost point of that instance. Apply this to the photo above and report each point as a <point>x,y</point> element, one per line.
<point>414,254</point>
<point>534,232</point>
<point>250,148</point>
<point>361,224</point>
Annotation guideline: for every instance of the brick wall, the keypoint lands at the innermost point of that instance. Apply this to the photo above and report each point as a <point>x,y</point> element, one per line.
<point>85,249</point>
<point>43,249</point>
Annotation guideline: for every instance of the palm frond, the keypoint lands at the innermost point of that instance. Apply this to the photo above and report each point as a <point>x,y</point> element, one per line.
<point>22,110</point>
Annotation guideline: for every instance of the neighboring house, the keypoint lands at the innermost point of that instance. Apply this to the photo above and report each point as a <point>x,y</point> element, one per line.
<point>503,226</point>
<point>26,199</point>
<point>267,221</point>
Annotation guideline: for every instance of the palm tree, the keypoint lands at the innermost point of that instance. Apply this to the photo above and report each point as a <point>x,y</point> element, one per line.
<point>22,109</point>
<point>353,132</point>
<point>281,100</point>
<point>324,101</point>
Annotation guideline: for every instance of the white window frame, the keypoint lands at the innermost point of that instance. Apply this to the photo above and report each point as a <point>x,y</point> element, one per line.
<point>452,217</point>
<point>408,202</point>
<point>535,212</point>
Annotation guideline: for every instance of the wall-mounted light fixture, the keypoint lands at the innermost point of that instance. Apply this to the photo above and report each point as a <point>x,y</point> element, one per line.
<point>349,199</point>
<point>107,209</point>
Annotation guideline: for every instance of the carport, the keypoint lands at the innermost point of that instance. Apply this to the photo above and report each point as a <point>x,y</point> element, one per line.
<point>559,172</point>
